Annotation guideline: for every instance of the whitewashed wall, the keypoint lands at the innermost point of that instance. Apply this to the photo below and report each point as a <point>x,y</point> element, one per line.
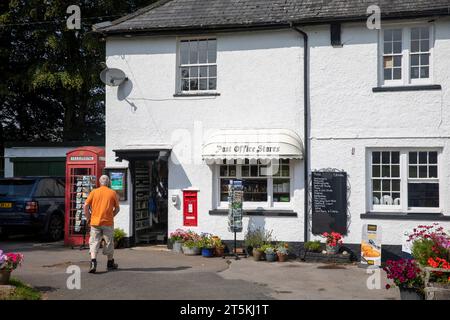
<point>346,114</point>
<point>260,84</point>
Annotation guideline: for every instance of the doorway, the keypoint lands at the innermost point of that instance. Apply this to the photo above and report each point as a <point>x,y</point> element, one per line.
<point>150,212</point>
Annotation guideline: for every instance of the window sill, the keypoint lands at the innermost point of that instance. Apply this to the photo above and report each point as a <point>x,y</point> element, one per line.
<point>257,212</point>
<point>405,216</point>
<point>199,94</point>
<point>408,88</point>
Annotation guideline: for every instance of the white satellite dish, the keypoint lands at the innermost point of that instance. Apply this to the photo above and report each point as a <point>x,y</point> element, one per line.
<point>113,77</point>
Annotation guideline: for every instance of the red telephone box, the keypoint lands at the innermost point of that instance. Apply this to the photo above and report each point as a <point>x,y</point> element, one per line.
<point>84,166</point>
<point>190,216</point>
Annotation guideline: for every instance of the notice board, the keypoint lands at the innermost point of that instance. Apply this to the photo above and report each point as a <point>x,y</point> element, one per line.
<point>329,202</point>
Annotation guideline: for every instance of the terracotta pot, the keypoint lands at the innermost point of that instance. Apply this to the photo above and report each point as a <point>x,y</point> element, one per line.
<point>257,255</point>
<point>5,275</point>
<point>282,257</point>
<point>219,252</point>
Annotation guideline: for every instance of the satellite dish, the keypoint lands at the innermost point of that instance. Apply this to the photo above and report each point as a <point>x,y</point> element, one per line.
<point>113,77</point>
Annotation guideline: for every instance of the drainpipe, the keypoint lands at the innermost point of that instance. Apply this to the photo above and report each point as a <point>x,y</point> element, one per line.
<point>306,127</point>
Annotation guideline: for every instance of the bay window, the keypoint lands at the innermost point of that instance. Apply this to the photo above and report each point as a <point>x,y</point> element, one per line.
<point>264,182</point>
<point>404,180</point>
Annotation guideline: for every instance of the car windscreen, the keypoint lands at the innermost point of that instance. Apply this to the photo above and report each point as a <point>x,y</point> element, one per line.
<point>15,188</point>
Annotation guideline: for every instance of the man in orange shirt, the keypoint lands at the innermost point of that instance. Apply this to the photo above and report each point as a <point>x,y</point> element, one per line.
<point>100,208</point>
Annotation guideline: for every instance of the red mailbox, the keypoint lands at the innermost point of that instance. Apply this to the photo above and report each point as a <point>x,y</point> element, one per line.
<point>84,166</point>
<point>190,215</point>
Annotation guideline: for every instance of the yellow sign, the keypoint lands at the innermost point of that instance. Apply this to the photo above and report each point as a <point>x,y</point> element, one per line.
<point>6,205</point>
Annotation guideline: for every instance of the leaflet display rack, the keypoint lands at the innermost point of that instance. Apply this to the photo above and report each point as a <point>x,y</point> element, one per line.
<point>142,196</point>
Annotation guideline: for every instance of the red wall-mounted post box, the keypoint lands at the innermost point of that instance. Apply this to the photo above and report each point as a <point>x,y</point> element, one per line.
<point>190,215</point>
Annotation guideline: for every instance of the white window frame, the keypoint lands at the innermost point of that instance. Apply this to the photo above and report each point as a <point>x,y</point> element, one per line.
<point>404,179</point>
<point>406,55</point>
<point>269,204</point>
<point>178,85</point>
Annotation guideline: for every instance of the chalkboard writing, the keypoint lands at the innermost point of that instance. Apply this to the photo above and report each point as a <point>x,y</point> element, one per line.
<point>329,202</point>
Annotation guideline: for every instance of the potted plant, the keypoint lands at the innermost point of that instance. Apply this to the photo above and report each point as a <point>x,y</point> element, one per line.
<point>119,235</point>
<point>177,238</point>
<point>192,247</point>
<point>219,248</point>
<point>270,253</point>
<point>407,276</point>
<point>207,245</point>
<point>313,246</point>
<point>8,263</point>
<point>333,241</point>
<point>282,251</point>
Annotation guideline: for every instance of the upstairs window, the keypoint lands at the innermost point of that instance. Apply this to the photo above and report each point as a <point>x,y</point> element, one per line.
<point>406,55</point>
<point>197,65</point>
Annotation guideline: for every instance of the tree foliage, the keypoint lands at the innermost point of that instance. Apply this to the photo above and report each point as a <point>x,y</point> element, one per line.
<point>50,88</point>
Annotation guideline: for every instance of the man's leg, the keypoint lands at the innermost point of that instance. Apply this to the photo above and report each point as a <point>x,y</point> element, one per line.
<point>108,249</point>
<point>94,244</point>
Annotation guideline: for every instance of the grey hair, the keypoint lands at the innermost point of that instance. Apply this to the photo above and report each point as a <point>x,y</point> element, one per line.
<point>104,180</point>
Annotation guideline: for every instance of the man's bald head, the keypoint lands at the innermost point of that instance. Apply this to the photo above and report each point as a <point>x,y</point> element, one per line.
<point>104,180</point>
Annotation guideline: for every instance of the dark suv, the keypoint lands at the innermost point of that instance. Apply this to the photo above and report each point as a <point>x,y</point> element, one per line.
<point>32,204</point>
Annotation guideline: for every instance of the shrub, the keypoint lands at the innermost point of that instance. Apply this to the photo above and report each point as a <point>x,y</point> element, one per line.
<point>257,238</point>
<point>119,234</point>
<point>313,246</point>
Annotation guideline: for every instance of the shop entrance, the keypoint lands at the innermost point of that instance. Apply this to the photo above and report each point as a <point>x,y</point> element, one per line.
<point>150,178</point>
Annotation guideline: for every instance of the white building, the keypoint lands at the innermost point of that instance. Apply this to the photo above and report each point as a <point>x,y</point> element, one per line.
<point>213,80</point>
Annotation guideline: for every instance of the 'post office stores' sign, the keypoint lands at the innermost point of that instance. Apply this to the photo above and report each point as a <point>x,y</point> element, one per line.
<point>249,148</point>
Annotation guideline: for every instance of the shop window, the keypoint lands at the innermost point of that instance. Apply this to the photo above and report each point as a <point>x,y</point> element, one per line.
<point>263,181</point>
<point>406,55</point>
<point>404,188</point>
<point>197,65</point>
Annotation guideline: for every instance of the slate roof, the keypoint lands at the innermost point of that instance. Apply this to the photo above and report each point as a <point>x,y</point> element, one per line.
<point>167,15</point>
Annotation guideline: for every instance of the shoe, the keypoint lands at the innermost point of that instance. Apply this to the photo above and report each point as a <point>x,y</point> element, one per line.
<point>93,267</point>
<point>111,265</point>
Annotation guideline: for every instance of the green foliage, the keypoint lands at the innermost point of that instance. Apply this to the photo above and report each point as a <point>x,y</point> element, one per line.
<point>22,291</point>
<point>50,88</point>
<point>424,249</point>
<point>258,237</point>
<point>119,234</point>
<point>313,246</point>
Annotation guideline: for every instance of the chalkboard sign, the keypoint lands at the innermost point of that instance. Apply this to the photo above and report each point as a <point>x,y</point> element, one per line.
<point>329,202</point>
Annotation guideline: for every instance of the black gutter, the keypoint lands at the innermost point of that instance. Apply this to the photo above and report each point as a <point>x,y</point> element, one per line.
<point>306,128</point>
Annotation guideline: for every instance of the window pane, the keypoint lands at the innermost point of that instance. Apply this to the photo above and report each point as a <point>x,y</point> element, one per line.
<point>255,190</point>
<point>395,157</point>
<point>388,34</point>
<point>425,59</point>
<point>397,47</point>
<point>184,52</point>
<point>396,198</point>
<point>223,171</point>
<point>387,74</point>
<point>423,195</point>
<point>395,171</point>
<point>397,35</point>
<point>212,71</point>
<point>193,55</point>
<point>193,72</point>
<point>433,172</point>
<point>386,171</point>
<point>425,33</point>
<point>424,72</point>
<point>376,185</point>
<point>413,171</point>
<point>185,72</point>
<point>253,171</point>
<point>423,157</point>
<point>423,172</point>
<point>415,73</point>
<point>432,157</point>
<point>415,46</point>
<point>386,185</point>
<point>202,51</point>
<point>415,60</point>
<point>424,45</point>
<point>375,157</point>
<point>281,190</point>
<point>203,72</point>
<point>203,84</point>
<point>212,84</point>
<point>397,74</point>
<point>245,171</point>
<point>376,196</point>
<point>185,85</point>
<point>412,157</point>
<point>385,157</point>
<point>415,33</point>
<point>193,85</point>
<point>212,51</point>
<point>395,185</point>
<point>376,171</point>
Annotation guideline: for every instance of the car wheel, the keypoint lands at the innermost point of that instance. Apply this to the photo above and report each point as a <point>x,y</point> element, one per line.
<point>55,229</point>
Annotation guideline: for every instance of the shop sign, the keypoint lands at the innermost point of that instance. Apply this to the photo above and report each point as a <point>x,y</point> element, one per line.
<point>371,245</point>
<point>118,181</point>
<point>235,198</point>
<point>329,202</point>
<point>248,148</point>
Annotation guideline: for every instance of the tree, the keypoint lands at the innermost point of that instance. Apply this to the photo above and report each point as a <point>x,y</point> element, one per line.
<point>50,88</point>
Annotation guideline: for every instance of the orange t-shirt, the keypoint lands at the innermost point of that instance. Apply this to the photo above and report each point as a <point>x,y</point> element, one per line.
<point>103,201</point>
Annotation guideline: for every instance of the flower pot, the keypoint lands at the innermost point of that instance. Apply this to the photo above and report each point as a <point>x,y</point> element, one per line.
<point>208,252</point>
<point>219,252</point>
<point>4,277</point>
<point>271,257</point>
<point>282,257</point>
<point>410,294</point>
<point>257,255</point>
<point>331,249</point>
<point>194,251</point>
<point>177,246</point>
